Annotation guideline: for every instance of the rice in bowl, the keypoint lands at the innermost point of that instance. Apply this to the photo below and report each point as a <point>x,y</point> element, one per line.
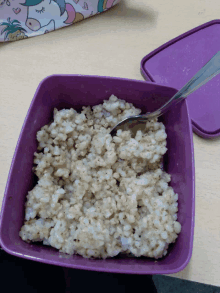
<point>98,195</point>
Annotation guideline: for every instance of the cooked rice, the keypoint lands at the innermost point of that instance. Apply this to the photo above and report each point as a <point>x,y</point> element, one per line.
<point>98,195</point>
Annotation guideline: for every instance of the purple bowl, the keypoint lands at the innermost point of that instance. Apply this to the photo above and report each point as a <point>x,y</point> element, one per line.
<point>65,91</point>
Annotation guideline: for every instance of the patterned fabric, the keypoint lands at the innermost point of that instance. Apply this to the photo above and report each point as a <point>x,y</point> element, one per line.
<point>20,19</point>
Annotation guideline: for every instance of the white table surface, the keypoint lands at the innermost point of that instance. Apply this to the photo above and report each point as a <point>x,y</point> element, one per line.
<point>113,44</point>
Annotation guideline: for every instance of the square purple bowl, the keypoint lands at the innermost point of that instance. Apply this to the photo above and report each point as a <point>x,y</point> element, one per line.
<point>65,91</point>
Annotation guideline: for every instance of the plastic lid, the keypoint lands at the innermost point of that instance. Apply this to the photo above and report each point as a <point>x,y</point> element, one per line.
<point>174,64</point>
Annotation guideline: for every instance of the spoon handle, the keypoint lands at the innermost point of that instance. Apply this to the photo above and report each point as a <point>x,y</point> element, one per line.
<point>207,72</point>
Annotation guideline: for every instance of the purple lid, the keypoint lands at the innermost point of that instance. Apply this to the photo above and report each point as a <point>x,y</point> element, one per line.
<point>174,64</point>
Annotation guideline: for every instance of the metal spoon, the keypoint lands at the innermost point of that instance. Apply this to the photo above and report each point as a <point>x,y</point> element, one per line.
<point>207,72</point>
